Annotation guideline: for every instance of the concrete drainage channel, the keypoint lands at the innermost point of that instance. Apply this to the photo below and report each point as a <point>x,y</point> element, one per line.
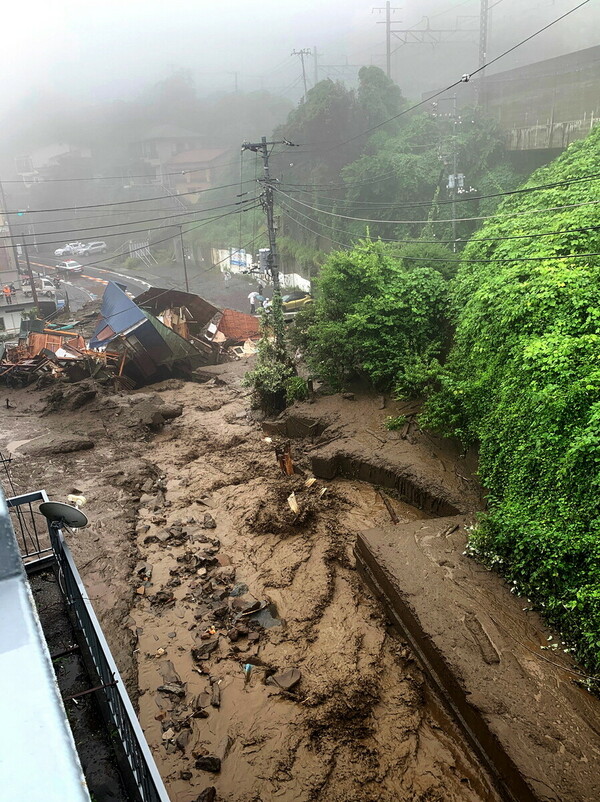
<point>432,548</point>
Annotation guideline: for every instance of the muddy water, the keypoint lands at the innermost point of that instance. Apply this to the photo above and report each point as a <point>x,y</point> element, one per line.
<point>358,726</point>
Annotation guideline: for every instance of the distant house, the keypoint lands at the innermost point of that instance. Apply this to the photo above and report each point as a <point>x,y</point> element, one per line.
<point>155,149</point>
<point>45,162</point>
<point>195,169</point>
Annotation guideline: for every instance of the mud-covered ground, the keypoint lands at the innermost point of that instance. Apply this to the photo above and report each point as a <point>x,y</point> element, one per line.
<point>260,664</point>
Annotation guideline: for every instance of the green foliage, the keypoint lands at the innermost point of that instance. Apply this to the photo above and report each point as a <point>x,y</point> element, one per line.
<point>375,319</point>
<point>523,380</point>
<point>393,423</point>
<point>296,389</point>
<point>270,379</point>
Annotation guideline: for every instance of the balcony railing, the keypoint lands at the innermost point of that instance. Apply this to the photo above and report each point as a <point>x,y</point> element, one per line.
<point>41,547</point>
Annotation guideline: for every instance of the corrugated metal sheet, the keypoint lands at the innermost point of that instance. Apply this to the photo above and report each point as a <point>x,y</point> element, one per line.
<point>118,314</point>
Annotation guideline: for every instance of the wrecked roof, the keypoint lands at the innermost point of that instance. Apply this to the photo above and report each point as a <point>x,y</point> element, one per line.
<point>236,325</point>
<point>118,315</point>
<point>157,299</point>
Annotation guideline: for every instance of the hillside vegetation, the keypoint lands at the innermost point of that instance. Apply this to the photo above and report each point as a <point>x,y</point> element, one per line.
<point>523,382</point>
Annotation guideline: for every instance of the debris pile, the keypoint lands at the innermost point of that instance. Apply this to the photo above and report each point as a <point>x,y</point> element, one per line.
<point>162,333</point>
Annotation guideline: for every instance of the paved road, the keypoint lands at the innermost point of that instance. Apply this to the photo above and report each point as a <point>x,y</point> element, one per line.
<point>90,284</point>
<point>209,283</point>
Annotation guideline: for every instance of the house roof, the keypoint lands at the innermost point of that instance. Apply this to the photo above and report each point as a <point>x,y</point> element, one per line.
<point>157,299</point>
<point>168,131</point>
<point>236,325</point>
<point>198,156</point>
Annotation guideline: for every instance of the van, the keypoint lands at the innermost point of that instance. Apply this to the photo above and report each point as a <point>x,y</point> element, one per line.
<point>43,286</point>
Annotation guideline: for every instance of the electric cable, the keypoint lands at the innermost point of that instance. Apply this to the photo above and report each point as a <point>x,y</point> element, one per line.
<point>459,259</point>
<point>106,227</point>
<point>140,230</point>
<point>22,212</point>
<point>500,215</point>
<point>452,242</point>
<point>416,204</point>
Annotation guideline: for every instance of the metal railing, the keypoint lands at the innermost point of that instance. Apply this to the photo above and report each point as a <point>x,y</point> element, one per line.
<point>122,720</point>
<point>31,530</point>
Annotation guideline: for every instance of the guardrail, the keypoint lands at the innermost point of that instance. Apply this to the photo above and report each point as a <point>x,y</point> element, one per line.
<point>144,779</point>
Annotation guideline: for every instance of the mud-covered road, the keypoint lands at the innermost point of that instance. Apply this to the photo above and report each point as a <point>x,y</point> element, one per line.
<point>307,697</point>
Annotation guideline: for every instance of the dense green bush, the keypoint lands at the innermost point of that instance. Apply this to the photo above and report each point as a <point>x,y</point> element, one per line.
<point>376,319</point>
<point>523,381</point>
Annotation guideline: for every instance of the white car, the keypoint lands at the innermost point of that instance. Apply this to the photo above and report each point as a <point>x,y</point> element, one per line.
<point>43,286</point>
<point>91,248</point>
<point>69,267</point>
<point>70,249</point>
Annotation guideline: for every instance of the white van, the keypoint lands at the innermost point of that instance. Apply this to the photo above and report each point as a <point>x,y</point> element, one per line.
<point>43,286</point>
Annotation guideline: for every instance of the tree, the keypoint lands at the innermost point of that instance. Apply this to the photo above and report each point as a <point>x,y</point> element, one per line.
<point>375,319</point>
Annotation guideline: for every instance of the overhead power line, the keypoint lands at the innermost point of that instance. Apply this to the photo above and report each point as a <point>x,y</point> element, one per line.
<point>460,260</point>
<point>416,204</point>
<point>123,177</point>
<point>22,212</point>
<point>420,241</point>
<point>140,230</point>
<point>500,215</point>
<point>108,227</point>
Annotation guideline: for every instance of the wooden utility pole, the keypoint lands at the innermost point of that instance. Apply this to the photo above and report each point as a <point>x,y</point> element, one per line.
<point>304,52</point>
<point>185,273</point>
<point>29,270</point>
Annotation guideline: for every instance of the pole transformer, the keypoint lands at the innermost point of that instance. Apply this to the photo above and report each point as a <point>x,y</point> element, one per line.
<point>267,200</point>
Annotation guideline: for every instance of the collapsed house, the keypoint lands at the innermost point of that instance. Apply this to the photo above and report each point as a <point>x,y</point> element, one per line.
<point>161,333</point>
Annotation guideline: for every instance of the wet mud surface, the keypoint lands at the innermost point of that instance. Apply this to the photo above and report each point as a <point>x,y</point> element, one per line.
<point>260,663</point>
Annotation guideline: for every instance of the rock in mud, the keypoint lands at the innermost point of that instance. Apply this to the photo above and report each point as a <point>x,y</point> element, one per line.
<point>172,688</point>
<point>286,680</point>
<point>57,444</point>
<point>170,411</point>
<point>208,795</point>
<point>215,698</point>
<point>204,651</point>
<point>209,522</point>
<point>209,763</point>
<point>239,590</point>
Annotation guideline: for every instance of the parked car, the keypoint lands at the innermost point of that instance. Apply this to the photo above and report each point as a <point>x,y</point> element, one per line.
<point>69,267</point>
<point>70,249</point>
<point>296,300</point>
<point>43,286</point>
<point>91,248</point>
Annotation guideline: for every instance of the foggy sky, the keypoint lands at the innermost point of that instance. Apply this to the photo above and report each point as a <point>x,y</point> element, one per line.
<point>89,50</point>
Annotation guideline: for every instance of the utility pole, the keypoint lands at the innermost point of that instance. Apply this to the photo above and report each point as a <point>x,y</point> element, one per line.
<point>185,274</point>
<point>388,35</point>
<point>267,199</point>
<point>6,217</point>
<point>483,45</point>
<point>29,270</point>
<point>304,52</point>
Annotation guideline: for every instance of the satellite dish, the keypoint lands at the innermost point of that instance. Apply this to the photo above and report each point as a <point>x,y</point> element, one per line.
<point>57,512</point>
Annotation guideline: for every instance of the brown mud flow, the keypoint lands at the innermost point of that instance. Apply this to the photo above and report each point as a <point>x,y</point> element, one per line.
<point>263,666</point>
